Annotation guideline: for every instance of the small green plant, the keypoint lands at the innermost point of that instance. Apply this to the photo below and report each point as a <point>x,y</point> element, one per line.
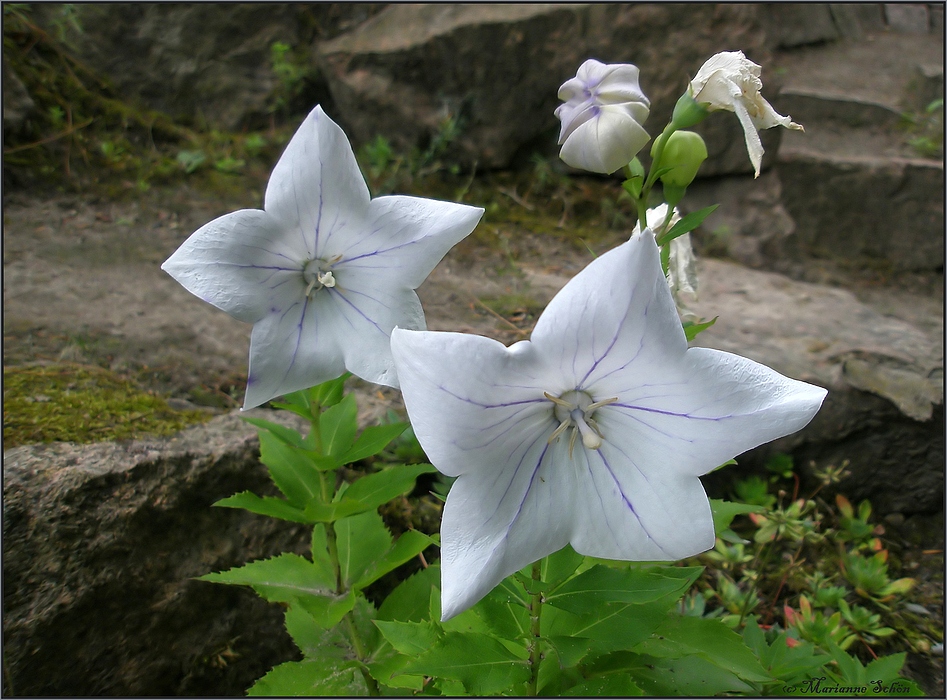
<point>926,129</point>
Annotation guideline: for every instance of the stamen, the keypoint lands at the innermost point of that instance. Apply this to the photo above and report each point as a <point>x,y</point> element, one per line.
<point>559,402</point>
<point>598,404</point>
<point>559,431</point>
<point>590,438</point>
<point>327,280</point>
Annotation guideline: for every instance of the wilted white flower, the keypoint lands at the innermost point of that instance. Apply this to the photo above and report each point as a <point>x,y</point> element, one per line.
<point>323,272</point>
<point>730,81</point>
<point>682,264</point>
<point>602,117</point>
<point>593,432</point>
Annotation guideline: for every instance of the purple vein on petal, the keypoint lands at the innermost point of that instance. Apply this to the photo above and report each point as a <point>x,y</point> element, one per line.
<point>315,244</point>
<point>340,295</point>
<point>680,415</point>
<point>510,419</point>
<point>611,345</point>
<point>299,335</point>
<point>648,425</point>
<point>490,405</point>
<point>627,501</point>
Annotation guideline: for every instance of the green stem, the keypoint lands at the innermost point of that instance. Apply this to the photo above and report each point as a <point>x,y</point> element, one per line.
<point>370,682</point>
<point>534,647</point>
<point>652,174</point>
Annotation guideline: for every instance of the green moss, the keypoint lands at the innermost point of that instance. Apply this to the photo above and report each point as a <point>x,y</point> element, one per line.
<point>79,403</point>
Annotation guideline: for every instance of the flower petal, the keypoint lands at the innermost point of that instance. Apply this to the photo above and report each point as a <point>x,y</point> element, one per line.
<point>705,409</point>
<point>244,263</point>
<point>606,141</point>
<point>496,523</point>
<point>451,383</point>
<point>616,318</point>
<point>625,510</point>
<point>292,349</point>
<point>404,238</point>
<point>316,186</point>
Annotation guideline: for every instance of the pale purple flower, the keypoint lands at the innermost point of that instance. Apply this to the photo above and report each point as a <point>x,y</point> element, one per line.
<point>602,117</point>
<point>324,272</point>
<point>593,432</point>
<point>730,81</point>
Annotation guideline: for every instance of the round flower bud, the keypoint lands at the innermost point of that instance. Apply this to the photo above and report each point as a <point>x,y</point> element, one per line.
<point>684,151</point>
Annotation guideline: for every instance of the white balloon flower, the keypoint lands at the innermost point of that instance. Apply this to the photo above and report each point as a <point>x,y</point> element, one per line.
<point>324,272</point>
<point>593,432</point>
<point>602,117</point>
<point>730,81</point>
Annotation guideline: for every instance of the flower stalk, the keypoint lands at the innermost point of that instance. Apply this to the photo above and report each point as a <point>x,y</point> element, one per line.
<point>535,619</point>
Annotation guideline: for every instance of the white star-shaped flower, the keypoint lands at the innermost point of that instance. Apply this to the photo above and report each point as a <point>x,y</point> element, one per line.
<point>324,272</point>
<point>593,432</point>
<point>730,81</point>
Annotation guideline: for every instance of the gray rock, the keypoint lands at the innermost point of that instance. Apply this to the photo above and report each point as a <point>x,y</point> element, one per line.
<point>791,24</point>
<point>497,68</point>
<point>866,209</point>
<point>927,87</point>
<point>884,410</point>
<point>810,105</point>
<point>908,18</point>
<point>101,547</point>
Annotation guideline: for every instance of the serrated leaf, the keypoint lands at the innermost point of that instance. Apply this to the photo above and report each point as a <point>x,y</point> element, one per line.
<point>281,579</point>
<point>480,662</point>
<point>328,610</point>
<point>409,601</point>
<point>373,440</point>
<point>361,539</point>
<point>312,677</point>
<point>504,616</point>
<point>559,566</point>
<point>570,650</point>
<point>687,224</point>
<point>691,329</point>
<point>284,433</point>
<point>319,512</point>
<point>378,488</point>
<point>406,547</point>
<point>293,474</point>
<point>337,427</point>
<point>410,638</point>
<point>267,505</point>
<point>585,593</point>
<point>709,639</point>
<point>783,662</point>
<point>612,627</point>
<point>686,676</point>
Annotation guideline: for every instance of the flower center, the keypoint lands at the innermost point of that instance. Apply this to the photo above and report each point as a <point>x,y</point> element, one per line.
<point>574,410</point>
<point>318,274</point>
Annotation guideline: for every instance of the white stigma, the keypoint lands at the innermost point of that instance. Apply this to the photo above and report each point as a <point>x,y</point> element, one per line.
<point>574,409</point>
<point>317,274</point>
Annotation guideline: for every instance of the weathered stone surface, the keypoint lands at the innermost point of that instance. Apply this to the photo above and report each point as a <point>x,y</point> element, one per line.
<point>866,208</point>
<point>791,24</point>
<point>497,68</point>
<point>202,62</point>
<point>884,411</point>
<point>101,546</point>
<point>909,18</point>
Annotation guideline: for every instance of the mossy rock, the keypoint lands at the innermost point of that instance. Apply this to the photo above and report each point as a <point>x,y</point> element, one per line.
<point>82,403</point>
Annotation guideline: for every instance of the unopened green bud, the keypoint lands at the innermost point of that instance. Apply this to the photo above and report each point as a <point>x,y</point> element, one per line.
<point>684,151</point>
<point>687,112</point>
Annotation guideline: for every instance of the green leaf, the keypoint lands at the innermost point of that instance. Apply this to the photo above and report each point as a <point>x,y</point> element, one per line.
<point>615,685</point>
<point>612,627</point>
<point>329,393</point>
<point>293,474</point>
<point>273,507</point>
<point>725,511</point>
<point>281,579</point>
<point>709,639</point>
<point>373,440</point>
<point>410,638</point>
<point>585,593</point>
<point>319,512</point>
<point>686,676</point>
<point>284,433</point>
<point>361,539</point>
<point>338,425</point>
<point>317,676</point>
<point>328,610</point>
<point>480,662</point>
<point>570,650</point>
<point>406,547</point>
<point>503,614</point>
<point>409,601</point>
<point>687,223</point>
<point>559,566</point>
<point>788,664</point>
<point>691,329</point>
<point>633,186</point>
<point>379,488</point>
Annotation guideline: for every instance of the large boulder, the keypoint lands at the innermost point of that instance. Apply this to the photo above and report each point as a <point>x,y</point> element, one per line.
<point>102,544</point>
<point>497,69</point>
